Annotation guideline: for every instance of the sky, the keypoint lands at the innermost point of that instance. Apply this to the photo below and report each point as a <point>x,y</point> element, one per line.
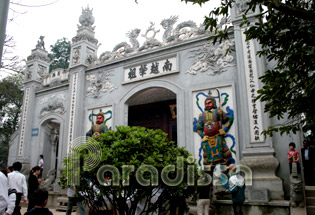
<point>113,19</point>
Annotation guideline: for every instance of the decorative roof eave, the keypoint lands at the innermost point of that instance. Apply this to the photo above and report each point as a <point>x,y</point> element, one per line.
<point>155,50</point>
<point>148,52</point>
<point>53,88</point>
<point>39,54</point>
<point>84,36</point>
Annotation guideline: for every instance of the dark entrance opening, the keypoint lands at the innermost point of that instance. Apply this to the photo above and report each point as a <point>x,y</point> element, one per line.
<point>51,130</point>
<point>154,108</point>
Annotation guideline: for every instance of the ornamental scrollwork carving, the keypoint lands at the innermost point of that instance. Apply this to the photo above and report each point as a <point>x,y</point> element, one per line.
<point>123,49</point>
<point>39,55</point>
<point>99,83</point>
<point>90,57</point>
<point>84,37</point>
<point>215,60</point>
<point>76,55</point>
<point>183,31</point>
<point>150,42</point>
<point>42,70</point>
<point>53,106</point>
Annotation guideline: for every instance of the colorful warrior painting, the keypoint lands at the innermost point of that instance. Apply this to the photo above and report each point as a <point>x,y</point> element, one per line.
<point>212,125</point>
<point>100,126</point>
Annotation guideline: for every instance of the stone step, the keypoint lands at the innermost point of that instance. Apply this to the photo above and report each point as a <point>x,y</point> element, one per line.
<point>310,187</point>
<point>310,201</point>
<point>310,210</point>
<point>193,210</point>
<point>310,191</point>
<point>62,199</point>
<point>61,208</point>
<point>64,208</point>
<point>62,204</point>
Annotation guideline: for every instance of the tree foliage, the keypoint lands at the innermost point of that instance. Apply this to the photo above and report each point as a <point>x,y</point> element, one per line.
<point>60,54</point>
<point>11,97</point>
<point>133,146</point>
<point>10,62</point>
<point>286,32</point>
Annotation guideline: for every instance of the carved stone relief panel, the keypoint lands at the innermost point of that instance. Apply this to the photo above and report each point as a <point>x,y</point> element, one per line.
<point>99,83</point>
<point>213,60</point>
<point>76,55</point>
<point>52,104</point>
<point>41,71</point>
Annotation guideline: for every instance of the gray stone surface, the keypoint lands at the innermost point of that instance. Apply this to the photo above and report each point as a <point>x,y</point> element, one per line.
<point>258,195</point>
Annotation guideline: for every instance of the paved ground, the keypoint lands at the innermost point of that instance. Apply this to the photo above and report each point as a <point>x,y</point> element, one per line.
<point>23,210</point>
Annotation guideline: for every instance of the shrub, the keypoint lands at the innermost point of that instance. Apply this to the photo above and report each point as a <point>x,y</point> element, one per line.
<point>142,149</point>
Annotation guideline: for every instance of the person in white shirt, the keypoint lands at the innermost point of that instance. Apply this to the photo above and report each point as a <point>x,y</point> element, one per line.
<point>41,165</point>
<point>17,181</point>
<point>3,193</point>
<point>11,202</point>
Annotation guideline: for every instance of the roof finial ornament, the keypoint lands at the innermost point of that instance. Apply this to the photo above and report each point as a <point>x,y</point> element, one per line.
<point>86,19</point>
<point>41,43</point>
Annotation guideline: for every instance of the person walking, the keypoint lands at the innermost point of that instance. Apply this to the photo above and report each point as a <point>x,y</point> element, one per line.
<point>9,169</point>
<point>11,201</point>
<point>308,161</point>
<point>17,181</point>
<point>41,165</point>
<point>33,184</point>
<point>72,201</point>
<point>3,192</point>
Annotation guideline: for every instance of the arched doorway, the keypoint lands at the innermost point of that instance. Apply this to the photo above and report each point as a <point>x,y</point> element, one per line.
<point>50,139</point>
<point>154,108</point>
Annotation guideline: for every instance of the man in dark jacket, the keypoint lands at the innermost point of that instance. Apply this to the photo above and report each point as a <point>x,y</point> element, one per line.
<point>308,160</point>
<point>237,189</point>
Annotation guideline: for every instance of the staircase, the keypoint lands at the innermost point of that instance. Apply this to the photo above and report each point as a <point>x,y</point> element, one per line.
<point>310,199</point>
<point>62,204</point>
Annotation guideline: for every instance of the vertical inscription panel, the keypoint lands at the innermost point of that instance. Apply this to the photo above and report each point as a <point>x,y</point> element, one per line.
<point>23,124</point>
<point>254,107</point>
<point>72,110</point>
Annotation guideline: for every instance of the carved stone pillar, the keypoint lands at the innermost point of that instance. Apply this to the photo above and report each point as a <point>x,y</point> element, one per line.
<point>83,54</point>
<point>84,45</point>
<point>37,67</point>
<point>258,152</point>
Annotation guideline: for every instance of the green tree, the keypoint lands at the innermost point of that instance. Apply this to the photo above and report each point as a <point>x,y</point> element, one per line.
<point>60,54</point>
<point>132,146</point>
<point>286,33</point>
<point>11,63</point>
<point>11,97</point>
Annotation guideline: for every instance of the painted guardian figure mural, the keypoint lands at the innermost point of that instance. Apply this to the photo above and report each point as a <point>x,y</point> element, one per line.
<point>100,126</point>
<point>213,125</point>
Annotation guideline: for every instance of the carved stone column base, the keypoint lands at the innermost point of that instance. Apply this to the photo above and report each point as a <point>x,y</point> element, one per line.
<point>263,169</point>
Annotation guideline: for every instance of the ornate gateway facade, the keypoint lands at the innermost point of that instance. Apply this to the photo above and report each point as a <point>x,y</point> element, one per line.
<point>157,84</point>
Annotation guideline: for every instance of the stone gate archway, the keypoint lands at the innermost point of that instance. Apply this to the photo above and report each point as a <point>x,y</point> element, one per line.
<point>162,86</point>
<point>154,108</point>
